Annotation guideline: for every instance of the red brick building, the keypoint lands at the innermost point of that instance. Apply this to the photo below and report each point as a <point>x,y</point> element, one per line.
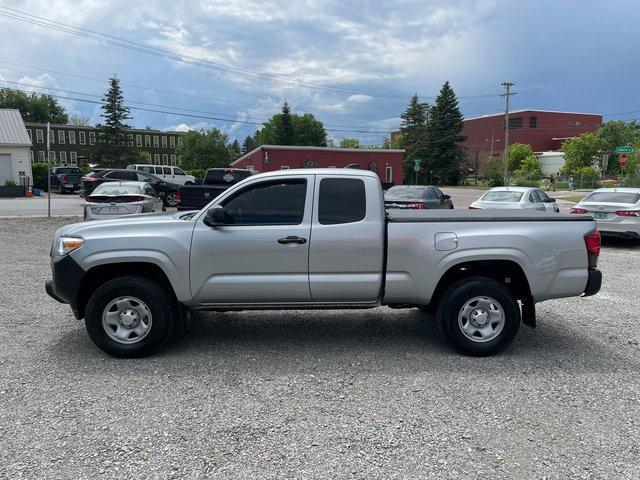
<point>544,130</point>
<point>266,158</point>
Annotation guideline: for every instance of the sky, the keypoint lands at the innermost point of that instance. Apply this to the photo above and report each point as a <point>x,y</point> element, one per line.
<point>355,65</point>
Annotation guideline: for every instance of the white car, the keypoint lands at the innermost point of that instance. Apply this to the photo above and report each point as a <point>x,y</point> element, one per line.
<point>615,210</point>
<point>528,198</point>
<point>114,199</point>
<point>166,172</point>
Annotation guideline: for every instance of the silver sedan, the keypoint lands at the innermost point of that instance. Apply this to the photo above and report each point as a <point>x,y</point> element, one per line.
<point>516,197</point>
<point>113,199</point>
<point>615,210</point>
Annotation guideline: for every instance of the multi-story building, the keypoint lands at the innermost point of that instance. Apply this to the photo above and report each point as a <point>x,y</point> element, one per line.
<point>72,144</point>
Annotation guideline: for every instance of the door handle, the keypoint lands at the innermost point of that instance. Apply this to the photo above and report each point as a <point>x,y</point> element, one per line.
<point>292,239</point>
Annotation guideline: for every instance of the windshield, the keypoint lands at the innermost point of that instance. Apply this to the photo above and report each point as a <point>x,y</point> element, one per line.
<point>502,196</point>
<point>115,189</point>
<point>68,171</point>
<point>405,192</point>
<point>613,197</point>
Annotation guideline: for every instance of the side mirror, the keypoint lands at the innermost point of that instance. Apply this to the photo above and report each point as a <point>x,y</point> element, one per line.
<point>552,200</point>
<point>446,197</point>
<point>215,216</point>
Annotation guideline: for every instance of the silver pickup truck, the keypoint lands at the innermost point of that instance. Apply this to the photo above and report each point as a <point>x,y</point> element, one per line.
<point>312,239</point>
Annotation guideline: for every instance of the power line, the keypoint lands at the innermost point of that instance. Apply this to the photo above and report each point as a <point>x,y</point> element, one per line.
<point>206,117</point>
<point>168,55</point>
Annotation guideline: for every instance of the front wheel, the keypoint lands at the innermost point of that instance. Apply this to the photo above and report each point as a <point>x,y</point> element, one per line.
<point>170,199</point>
<point>130,316</point>
<point>478,316</point>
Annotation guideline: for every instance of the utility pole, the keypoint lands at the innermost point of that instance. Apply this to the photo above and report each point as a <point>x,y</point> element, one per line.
<point>506,95</point>
<point>49,170</point>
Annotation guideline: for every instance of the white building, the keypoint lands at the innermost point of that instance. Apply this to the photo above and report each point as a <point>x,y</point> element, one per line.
<point>551,162</point>
<point>15,147</point>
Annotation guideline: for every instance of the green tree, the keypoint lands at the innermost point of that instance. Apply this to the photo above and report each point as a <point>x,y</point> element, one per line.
<point>33,107</point>
<point>205,149</point>
<point>308,131</point>
<point>396,144</point>
<point>493,171</point>
<point>529,167</point>
<point>284,128</point>
<point>234,150</point>
<point>112,147</point>
<point>517,153</point>
<point>77,119</point>
<point>250,143</point>
<point>616,134</point>
<point>349,143</point>
<point>580,152</point>
<point>303,130</point>
<point>444,153</point>
<point>413,129</point>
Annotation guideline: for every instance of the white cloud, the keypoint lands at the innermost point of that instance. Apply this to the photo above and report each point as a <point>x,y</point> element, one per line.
<point>359,98</point>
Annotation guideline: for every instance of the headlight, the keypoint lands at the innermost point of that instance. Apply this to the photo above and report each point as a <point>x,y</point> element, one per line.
<point>68,244</point>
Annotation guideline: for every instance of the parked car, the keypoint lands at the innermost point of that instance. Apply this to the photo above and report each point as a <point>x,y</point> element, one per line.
<point>216,181</point>
<point>113,199</point>
<point>516,198</point>
<point>65,179</point>
<point>416,197</point>
<point>166,190</point>
<point>320,238</point>
<point>615,210</point>
<point>168,173</point>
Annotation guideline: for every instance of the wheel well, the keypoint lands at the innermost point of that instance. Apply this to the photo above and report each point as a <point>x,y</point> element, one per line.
<point>506,272</point>
<point>103,273</point>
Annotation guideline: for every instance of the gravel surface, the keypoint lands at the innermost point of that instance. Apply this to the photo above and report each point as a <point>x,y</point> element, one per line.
<point>360,394</point>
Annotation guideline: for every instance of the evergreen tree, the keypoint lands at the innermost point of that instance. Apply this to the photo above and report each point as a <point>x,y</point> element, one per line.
<point>112,147</point>
<point>284,127</point>
<point>444,153</point>
<point>250,143</point>
<point>413,130</point>
<point>290,129</point>
<point>234,150</point>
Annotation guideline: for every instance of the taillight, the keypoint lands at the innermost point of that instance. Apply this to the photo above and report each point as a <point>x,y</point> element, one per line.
<point>178,196</point>
<point>64,178</point>
<point>89,179</point>
<point>135,198</point>
<point>578,210</point>
<point>628,213</point>
<point>419,206</point>
<point>592,242</point>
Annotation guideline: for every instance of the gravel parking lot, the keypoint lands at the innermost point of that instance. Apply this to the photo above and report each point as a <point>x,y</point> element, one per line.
<point>361,394</point>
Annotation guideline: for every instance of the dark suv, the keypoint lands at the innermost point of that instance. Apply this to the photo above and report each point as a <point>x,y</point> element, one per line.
<point>166,191</point>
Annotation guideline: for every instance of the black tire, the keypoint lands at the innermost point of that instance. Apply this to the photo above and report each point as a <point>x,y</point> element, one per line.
<point>456,297</point>
<point>161,304</point>
<point>170,199</point>
<point>189,183</point>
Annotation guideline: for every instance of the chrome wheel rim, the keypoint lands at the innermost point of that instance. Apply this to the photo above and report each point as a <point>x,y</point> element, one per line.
<point>171,199</point>
<point>481,319</point>
<point>126,320</point>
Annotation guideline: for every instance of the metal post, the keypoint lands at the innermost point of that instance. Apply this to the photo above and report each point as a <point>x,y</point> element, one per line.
<point>48,171</point>
<point>506,95</point>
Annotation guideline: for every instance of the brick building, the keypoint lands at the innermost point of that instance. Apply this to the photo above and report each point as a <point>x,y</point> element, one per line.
<point>386,163</point>
<point>544,130</point>
<point>71,144</point>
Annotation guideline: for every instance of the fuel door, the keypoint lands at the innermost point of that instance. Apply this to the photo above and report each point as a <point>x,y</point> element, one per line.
<point>445,241</point>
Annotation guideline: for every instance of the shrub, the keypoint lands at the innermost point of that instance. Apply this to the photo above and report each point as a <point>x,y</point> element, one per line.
<point>198,172</point>
<point>10,183</point>
<point>493,172</point>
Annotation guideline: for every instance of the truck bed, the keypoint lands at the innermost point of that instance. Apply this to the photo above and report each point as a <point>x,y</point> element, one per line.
<point>432,216</point>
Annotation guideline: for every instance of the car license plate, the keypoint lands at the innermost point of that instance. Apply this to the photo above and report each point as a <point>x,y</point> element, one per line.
<point>599,215</point>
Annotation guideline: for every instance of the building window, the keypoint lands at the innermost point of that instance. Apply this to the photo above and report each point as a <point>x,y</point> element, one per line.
<point>165,159</point>
<point>39,136</point>
<point>52,137</point>
<point>515,122</point>
<point>92,138</point>
<point>52,156</point>
<point>31,155</point>
<point>172,142</point>
<point>63,158</point>
<point>73,156</point>
<point>156,159</point>
<point>388,174</point>
<point>164,141</point>
<point>72,137</point>
<point>61,139</point>
<point>173,159</point>
<point>148,157</point>
<point>138,140</point>
<point>179,159</point>
<point>82,137</point>
<point>130,139</point>
<point>41,156</point>
<point>575,123</point>
<point>30,136</point>
<point>533,122</point>
<point>179,141</point>
<point>156,141</point>
<point>284,167</point>
<point>147,140</point>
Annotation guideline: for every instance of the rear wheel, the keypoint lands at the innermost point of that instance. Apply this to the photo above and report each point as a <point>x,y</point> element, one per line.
<point>170,199</point>
<point>478,316</point>
<point>130,316</point>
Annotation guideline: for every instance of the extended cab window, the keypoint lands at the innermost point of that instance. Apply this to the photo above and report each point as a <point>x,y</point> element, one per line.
<point>342,200</point>
<point>279,202</point>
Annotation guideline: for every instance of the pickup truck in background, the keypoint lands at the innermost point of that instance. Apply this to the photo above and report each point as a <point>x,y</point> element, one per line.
<point>216,181</point>
<point>65,179</point>
<point>320,239</point>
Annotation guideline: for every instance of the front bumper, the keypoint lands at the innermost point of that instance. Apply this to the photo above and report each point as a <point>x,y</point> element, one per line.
<point>65,285</point>
<point>594,282</point>
<point>51,291</point>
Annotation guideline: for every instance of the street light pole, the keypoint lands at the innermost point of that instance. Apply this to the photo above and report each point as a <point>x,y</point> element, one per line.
<point>506,95</point>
